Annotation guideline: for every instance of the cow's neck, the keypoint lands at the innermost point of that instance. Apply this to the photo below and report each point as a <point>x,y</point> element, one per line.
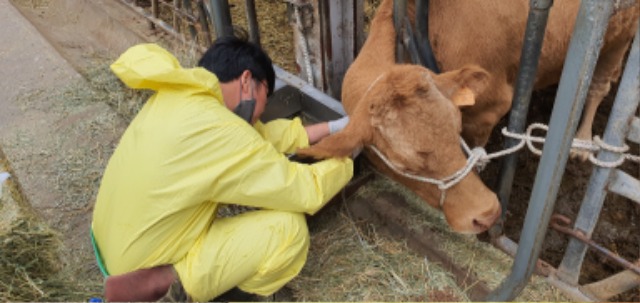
<point>380,45</point>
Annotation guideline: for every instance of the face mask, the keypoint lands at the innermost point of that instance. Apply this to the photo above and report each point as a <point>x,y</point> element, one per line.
<point>246,107</point>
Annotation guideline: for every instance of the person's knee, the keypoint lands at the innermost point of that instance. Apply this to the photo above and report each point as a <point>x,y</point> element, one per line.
<point>290,224</point>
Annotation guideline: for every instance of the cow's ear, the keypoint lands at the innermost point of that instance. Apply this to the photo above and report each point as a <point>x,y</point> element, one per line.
<point>463,85</point>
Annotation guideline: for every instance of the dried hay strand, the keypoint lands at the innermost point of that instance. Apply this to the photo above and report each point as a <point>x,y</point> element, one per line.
<point>484,261</point>
<point>29,250</point>
<point>350,261</point>
<point>33,248</point>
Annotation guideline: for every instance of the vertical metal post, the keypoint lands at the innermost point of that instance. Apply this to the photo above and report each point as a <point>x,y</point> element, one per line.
<point>584,49</point>
<point>399,13</point>
<point>221,18</point>
<point>189,10</point>
<point>252,20</point>
<point>622,113</point>
<point>155,11</point>
<point>203,14</point>
<point>531,48</point>
<point>422,36</point>
<point>176,19</point>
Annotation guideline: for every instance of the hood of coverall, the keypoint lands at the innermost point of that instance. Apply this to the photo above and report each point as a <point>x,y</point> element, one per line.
<point>149,66</point>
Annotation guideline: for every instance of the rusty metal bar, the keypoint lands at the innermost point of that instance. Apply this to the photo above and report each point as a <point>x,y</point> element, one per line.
<point>188,8</point>
<point>179,13</point>
<point>584,48</point>
<point>613,285</point>
<point>544,269</point>
<point>163,25</point>
<point>560,222</point>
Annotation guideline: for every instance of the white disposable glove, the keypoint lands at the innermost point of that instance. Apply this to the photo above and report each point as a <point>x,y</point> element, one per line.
<point>337,125</point>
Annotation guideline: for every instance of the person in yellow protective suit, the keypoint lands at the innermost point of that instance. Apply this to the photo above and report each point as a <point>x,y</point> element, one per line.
<point>189,150</point>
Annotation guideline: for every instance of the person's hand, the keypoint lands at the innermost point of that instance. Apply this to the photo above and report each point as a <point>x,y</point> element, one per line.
<point>337,125</point>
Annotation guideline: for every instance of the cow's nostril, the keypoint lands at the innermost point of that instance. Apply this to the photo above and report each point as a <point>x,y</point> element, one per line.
<point>480,225</point>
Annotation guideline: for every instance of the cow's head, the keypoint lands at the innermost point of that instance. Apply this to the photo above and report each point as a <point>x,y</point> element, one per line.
<point>412,117</point>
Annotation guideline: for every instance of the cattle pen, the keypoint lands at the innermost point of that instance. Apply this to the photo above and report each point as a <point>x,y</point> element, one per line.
<point>327,36</point>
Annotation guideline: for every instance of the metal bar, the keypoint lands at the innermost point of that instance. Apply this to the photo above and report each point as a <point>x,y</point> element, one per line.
<point>545,269</point>
<point>221,17</point>
<point>622,113</point>
<point>189,12</point>
<point>584,49</point>
<point>560,222</point>
<point>252,20</point>
<point>399,13</point>
<point>532,46</point>
<point>179,13</point>
<point>204,22</point>
<point>163,25</point>
<point>154,11</point>
<point>634,133</point>
<point>613,285</point>
<point>625,185</point>
<point>410,43</point>
<point>422,36</point>
<point>176,20</point>
<point>333,107</point>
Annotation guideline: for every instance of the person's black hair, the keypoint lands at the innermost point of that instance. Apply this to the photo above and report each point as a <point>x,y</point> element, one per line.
<point>229,56</point>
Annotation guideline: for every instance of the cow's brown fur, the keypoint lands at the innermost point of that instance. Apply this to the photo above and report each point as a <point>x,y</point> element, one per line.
<point>408,113</point>
<point>489,33</point>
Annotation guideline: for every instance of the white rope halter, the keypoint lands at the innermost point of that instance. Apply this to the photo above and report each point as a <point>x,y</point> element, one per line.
<point>476,158</point>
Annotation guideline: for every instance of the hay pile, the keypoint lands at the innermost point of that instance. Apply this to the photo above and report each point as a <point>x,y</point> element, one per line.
<point>29,249</point>
<point>350,260</point>
<point>47,256</point>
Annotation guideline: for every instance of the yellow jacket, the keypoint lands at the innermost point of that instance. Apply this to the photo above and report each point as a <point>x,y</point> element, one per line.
<point>184,153</point>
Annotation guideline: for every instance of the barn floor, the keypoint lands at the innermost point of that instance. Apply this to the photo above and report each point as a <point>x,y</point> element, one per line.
<point>354,256</point>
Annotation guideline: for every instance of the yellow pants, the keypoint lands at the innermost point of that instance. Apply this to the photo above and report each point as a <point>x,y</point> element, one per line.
<point>259,252</point>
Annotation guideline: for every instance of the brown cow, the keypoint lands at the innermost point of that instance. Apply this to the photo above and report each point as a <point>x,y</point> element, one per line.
<point>410,115</point>
<point>489,33</point>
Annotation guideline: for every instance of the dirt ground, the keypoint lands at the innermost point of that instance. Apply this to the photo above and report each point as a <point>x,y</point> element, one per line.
<point>617,229</point>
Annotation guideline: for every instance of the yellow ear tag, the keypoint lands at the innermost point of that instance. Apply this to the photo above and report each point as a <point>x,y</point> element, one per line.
<point>463,97</point>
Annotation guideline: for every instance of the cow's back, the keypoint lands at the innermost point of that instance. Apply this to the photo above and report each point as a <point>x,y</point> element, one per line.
<point>490,33</point>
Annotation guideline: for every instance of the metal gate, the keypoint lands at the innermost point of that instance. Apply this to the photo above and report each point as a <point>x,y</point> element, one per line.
<point>336,44</point>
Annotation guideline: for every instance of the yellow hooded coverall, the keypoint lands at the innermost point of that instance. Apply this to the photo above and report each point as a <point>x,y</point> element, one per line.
<point>182,155</point>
